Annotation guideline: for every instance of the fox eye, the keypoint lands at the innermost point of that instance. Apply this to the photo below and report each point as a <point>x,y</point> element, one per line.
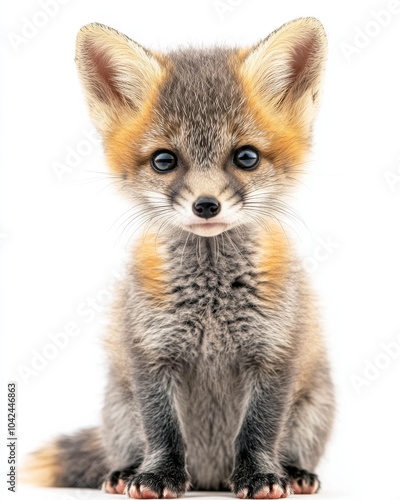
<point>246,158</point>
<point>163,161</point>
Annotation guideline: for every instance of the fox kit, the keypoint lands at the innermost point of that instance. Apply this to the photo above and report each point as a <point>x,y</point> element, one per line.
<point>218,376</point>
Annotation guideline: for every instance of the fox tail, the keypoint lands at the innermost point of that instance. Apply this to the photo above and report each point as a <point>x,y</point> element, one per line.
<point>75,461</point>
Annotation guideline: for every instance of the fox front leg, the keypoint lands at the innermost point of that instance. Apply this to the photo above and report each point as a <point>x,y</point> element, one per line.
<point>257,471</point>
<point>162,474</point>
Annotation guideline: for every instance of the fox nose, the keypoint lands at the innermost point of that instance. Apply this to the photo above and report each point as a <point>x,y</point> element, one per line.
<point>206,207</point>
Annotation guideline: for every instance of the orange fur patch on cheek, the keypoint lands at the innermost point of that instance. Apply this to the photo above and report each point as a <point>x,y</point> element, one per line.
<point>150,268</point>
<point>121,153</point>
<point>289,144</point>
<point>274,261</point>
<point>288,149</point>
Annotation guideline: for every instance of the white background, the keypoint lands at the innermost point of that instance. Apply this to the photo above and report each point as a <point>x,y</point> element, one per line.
<point>61,243</point>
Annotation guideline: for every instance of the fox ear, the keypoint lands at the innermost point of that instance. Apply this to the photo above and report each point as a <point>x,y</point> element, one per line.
<point>285,69</point>
<point>116,73</point>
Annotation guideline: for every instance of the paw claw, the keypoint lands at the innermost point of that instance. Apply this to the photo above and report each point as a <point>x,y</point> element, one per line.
<point>263,493</point>
<point>133,492</point>
<point>169,494</point>
<point>107,487</point>
<point>147,492</point>
<point>120,486</point>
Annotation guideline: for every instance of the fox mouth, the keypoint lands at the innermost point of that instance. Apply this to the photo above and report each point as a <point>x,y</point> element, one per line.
<point>207,228</point>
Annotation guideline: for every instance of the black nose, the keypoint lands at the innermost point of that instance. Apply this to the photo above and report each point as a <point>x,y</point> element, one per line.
<point>206,207</point>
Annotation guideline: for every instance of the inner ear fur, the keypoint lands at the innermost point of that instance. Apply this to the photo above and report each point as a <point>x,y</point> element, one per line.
<point>285,70</point>
<point>116,72</point>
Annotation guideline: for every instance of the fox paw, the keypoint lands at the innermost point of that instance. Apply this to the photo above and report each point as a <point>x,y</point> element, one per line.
<point>303,481</point>
<point>157,485</point>
<point>260,486</point>
<point>116,480</point>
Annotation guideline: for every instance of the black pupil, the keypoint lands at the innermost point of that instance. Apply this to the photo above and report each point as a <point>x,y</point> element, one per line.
<point>247,157</point>
<point>164,161</point>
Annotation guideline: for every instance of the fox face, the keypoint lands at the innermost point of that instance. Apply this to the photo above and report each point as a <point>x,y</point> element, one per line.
<point>205,140</point>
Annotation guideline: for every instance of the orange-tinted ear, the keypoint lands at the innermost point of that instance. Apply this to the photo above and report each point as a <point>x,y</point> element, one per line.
<point>284,71</point>
<point>116,73</point>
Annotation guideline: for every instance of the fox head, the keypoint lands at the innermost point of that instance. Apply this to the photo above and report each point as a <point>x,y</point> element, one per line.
<point>205,140</point>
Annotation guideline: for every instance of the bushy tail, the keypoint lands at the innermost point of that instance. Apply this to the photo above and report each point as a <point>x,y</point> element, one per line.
<point>76,461</point>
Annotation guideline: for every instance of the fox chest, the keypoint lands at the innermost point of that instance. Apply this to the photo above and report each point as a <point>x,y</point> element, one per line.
<point>208,307</point>
<point>209,316</point>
